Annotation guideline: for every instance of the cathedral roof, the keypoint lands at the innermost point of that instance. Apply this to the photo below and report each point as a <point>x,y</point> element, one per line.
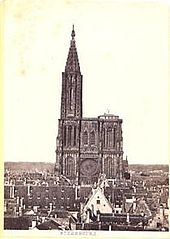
<point>72,64</point>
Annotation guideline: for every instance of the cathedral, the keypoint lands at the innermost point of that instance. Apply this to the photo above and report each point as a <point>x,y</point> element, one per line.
<point>86,148</point>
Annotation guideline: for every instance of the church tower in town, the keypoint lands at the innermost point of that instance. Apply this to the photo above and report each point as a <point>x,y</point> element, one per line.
<point>85,147</point>
<point>71,97</point>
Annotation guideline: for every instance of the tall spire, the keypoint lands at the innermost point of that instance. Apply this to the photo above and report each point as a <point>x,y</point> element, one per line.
<point>72,64</point>
<point>71,96</point>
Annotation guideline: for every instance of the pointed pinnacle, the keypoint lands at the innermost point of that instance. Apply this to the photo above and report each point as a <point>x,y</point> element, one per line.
<point>73,32</point>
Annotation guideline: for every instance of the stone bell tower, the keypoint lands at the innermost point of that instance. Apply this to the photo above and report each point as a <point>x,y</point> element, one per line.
<point>71,96</point>
<point>68,140</point>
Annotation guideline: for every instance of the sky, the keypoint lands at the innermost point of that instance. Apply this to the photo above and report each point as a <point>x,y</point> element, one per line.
<point>123,55</point>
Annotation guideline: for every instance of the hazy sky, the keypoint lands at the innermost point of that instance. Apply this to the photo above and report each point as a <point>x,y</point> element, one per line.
<point>123,55</point>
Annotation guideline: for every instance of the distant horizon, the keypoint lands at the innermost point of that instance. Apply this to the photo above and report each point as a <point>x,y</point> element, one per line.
<point>54,162</point>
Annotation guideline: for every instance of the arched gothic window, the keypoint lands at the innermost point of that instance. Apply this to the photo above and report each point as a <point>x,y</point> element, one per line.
<point>71,98</point>
<point>109,137</point>
<point>92,138</point>
<point>114,137</point>
<point>69,167</point>
<point>64,136</point>
<point>75,136</point>
<point>109,167</point>
<point>69,135</point>
<point>85,138</point>
<point>104,138</point>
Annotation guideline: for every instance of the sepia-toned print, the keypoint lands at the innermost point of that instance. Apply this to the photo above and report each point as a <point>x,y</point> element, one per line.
<point>91,185</point>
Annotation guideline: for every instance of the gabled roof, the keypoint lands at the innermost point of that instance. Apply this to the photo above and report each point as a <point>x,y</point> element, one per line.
<point>92,196</point>
<point>128,207</point>
<point>142,207</point>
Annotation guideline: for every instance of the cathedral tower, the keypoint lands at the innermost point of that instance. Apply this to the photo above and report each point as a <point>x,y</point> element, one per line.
<point>67,150</point>
<point>71,97</point>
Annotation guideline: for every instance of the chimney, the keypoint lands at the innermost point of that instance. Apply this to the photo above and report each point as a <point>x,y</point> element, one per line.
<point>33,223</point>
<point>109,198</point>
<point>51,207</point>
<point>35,209</point>
<point>98,216</point>
<point>82,226</point>
<point>161,213</point>
<point>134,189</point>
<point>100,224</point>
<point>21,201</point>
<point>20,211</point>
<point>134,206</point>
<point>93,191</point>
<point>25,181</point>
<point>76,192</point>
<point>88,216</point>
<point>28,192</point>
<point>134,203</point>
<point>17,200</point>
<point>127,218</point>
<point>43,219</point>
<point>12,191</point>
<point>15,211</point>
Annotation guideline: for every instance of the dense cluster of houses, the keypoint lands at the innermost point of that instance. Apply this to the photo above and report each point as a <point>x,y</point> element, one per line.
<point>43,201</point>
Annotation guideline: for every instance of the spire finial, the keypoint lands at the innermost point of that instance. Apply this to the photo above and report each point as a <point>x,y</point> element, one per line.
<point>73,32</point>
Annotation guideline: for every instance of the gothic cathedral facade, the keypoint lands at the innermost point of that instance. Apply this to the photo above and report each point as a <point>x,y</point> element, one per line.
<point>85,147</point>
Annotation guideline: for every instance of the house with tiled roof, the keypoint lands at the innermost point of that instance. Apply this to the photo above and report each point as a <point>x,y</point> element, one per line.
<point>96,202</point>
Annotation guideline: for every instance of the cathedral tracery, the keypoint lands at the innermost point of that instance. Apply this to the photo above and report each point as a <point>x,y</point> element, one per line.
<point>114,137</point>
<point>109,137</point>
<point>64,135</point>
<point>85,137</point>
<point>69,166</point>
<point>92,138</point>
<point>69,135</point>
<point>109,167</point>
<point>75,136</point>
<point>95,141</point>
